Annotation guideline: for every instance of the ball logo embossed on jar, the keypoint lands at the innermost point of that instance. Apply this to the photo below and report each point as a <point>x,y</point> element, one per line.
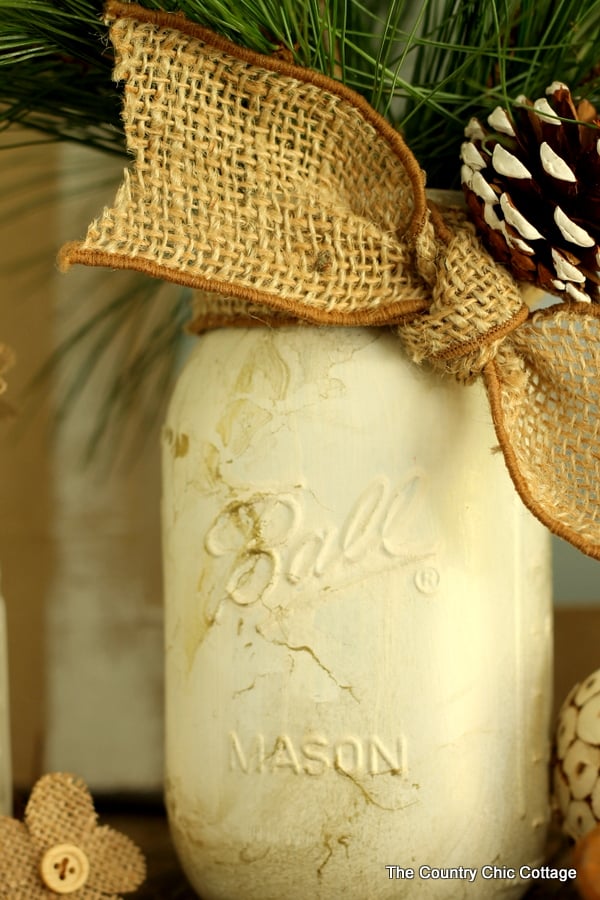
<point>265,538</point>
<point>335,601</point>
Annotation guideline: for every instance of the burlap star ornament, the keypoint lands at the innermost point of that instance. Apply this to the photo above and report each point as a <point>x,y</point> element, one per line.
<point>59,849</point>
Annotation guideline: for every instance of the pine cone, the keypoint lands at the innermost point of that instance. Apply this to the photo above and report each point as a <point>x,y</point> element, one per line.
<point>532,184</point>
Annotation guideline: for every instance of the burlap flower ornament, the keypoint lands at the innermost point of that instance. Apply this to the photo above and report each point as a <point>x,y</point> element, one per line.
<point>60,849</point>
<point>281,196</point>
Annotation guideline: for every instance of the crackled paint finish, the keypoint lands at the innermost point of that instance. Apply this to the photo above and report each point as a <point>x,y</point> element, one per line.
<point>357,625</point>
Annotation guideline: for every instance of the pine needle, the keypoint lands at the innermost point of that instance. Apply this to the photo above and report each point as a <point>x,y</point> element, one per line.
<point>428,66</point>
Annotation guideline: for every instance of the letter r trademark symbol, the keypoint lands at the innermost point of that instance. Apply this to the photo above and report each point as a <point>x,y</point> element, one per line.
<point>427,580</point>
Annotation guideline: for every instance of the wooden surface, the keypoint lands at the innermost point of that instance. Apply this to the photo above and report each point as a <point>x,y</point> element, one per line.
<point>144,821</point>
<point>576,655</point>
<point>576,647</point>
<point>166,881</point>
<point>150,832</point>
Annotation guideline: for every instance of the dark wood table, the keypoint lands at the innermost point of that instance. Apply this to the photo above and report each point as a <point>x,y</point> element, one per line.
<point>148,828</point>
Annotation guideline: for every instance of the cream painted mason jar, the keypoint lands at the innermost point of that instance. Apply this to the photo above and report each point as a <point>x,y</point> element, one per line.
<point>357,627</point>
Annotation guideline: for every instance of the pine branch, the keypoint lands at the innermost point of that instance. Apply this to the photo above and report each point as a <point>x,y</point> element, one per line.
<point>428,73</point>
<point>428,67</point>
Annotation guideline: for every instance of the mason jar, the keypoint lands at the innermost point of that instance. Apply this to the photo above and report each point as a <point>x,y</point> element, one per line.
<point>358,627</point>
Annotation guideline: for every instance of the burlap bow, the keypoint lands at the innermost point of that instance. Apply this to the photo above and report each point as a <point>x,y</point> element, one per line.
<point>283,196</point>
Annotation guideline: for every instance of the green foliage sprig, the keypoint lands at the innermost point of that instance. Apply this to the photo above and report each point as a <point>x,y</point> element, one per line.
<point>426,65</point>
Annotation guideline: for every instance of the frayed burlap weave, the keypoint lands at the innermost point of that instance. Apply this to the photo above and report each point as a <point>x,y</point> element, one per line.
<point>60,816</point>
<point>282,196</point>
<point>245,183</point>
<point>548,423</point>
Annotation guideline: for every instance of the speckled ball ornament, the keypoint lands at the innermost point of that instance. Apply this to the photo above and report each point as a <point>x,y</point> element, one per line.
<point>576,773</point>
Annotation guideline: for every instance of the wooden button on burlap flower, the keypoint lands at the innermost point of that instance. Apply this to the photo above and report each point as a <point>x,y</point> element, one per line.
<point>59,848</point>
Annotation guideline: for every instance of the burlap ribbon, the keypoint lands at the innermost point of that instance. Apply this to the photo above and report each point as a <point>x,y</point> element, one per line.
<point>283,196</point>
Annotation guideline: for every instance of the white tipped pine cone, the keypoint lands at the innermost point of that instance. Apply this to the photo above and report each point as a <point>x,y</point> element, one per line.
<point>532,185</point>
<point>576,773</point>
